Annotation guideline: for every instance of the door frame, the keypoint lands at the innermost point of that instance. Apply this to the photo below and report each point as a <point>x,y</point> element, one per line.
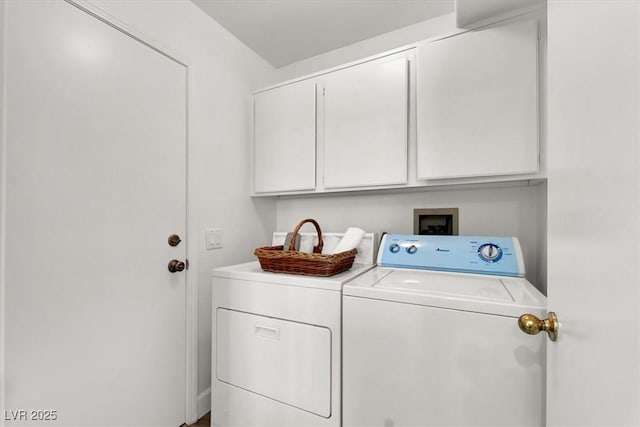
<point>191,278</point>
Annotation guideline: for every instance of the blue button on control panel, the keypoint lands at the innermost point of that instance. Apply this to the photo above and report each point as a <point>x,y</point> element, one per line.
<point>467,254</point>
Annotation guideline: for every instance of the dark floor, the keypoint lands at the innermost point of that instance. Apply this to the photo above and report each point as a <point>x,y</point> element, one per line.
<point>203,422</point>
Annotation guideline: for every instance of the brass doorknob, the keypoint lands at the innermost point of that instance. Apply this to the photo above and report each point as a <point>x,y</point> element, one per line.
<point>175,265</point>
<point>530,324</point>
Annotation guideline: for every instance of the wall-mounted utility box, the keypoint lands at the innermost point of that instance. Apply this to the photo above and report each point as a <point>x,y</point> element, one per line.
<point>438,221</point>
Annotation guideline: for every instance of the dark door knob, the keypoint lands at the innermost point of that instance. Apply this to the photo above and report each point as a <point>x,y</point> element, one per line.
<point>175,265</point>
<point>174,240</point>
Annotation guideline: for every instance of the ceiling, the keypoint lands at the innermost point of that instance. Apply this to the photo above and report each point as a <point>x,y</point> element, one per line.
<point>287,31</point>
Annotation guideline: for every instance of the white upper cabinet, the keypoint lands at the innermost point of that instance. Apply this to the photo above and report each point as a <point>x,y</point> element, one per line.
<point>466,111</point>
<point>478,103</point>
<point>284,148</point>
<point>365,118</point>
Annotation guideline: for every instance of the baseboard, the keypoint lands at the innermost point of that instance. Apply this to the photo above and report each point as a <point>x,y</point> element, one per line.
<point>204,403</point>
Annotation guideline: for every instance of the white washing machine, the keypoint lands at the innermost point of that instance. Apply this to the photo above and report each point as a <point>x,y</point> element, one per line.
<point>277,342</point>
<point>430,336</point>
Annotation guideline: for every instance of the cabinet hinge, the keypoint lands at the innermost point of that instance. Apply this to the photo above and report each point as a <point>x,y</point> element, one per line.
<point>323,89</point>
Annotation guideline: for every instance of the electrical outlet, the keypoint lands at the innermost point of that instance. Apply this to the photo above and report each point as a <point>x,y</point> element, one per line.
<point>213,238</point>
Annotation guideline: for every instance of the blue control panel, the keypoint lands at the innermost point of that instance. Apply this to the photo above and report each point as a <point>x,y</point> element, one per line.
<point>501,256</point>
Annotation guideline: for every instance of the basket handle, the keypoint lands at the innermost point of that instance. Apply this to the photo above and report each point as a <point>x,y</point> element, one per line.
<point>316,249</point>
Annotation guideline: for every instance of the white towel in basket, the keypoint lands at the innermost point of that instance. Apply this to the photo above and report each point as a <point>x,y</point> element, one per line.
<point>351,239</point>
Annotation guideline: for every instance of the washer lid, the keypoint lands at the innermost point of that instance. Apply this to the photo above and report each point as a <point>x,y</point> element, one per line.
<point>485,288</point>
<point>498,295</point>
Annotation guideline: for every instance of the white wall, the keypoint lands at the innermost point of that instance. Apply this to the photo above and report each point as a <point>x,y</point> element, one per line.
<point>404,36</point>
<point>500,211</point>
<point>506,211</point>
<point>470,12</point>
<point>3,198</point>
<point>223,73</point>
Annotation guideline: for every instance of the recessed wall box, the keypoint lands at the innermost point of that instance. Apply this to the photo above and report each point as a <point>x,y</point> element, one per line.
<point>438,221</point>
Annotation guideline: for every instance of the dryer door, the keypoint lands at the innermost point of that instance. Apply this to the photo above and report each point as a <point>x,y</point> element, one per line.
<point>286,361</point>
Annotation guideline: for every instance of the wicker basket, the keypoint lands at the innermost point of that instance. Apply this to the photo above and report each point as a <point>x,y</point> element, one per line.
<point>279,260</point>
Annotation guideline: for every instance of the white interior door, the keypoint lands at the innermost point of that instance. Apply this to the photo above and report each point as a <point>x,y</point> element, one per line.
<point>95,184</point>
<point>593,376</point>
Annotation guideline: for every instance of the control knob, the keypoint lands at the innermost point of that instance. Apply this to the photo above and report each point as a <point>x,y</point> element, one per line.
<point>490,252</point>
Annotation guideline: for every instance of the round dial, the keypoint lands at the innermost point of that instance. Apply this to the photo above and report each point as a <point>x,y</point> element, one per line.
<point>394,248</point>
<point>412,249</point>
<point>490,252</point>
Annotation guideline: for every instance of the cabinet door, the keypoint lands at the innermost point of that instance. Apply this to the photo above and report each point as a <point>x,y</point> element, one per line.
<point>285,138</point>
<point>365,124</point>
<point>478,103</point>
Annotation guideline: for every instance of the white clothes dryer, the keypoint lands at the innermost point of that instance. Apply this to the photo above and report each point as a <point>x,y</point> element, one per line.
<point>430,336</point>
<point>277,341</point>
